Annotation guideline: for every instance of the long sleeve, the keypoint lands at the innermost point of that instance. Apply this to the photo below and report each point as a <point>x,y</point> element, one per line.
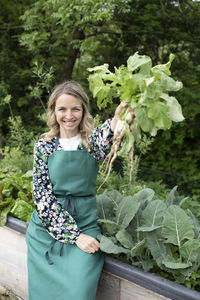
<point>58,222</point>
<point>101,141</point>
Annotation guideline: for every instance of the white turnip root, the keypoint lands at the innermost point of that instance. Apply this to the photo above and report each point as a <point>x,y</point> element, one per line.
<point>119,132</point>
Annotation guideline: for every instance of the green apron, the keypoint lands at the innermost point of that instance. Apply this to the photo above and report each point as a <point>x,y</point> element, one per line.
<point>58,271</point>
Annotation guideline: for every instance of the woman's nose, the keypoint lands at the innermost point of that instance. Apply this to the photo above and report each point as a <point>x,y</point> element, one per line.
<point>69,113</point>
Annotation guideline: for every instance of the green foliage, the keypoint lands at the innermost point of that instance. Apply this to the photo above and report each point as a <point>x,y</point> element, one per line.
<point>14,160</point>
<point>43,84</point>
<point>16,196</point>
<point>70,26</point>
<point>151,233</point>
<point>19,136</point>
<point>18,157</point>
<point>144,88</point>
<point>193,203</point>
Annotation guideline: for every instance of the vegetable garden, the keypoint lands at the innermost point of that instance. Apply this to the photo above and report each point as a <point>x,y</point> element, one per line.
<point>138,227</point>
<point>146,221</point>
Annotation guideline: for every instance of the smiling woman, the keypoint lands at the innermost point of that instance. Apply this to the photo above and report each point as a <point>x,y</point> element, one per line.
<point>64,260</point>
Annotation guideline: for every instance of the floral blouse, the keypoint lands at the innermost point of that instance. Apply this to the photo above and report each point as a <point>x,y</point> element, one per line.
<point>57,221</point>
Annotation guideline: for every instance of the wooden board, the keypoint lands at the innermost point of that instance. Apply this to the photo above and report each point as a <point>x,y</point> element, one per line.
<point>13,265</point>
<point>112,287</point>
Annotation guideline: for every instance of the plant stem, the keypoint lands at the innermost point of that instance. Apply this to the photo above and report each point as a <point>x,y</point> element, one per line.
<point>1,195</point>
<point>42,104</point>
<point>10,108</point>
<point>131,168</point>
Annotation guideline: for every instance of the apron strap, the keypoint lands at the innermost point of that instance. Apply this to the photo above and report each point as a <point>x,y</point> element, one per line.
<point>50,262</point>
<point>70,203</point>
<point>47,254</point>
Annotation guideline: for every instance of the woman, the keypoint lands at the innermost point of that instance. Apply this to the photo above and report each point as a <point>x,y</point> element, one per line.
<point>64,261</point>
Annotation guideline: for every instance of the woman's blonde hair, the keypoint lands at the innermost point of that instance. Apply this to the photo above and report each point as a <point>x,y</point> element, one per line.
<point>75,89</point>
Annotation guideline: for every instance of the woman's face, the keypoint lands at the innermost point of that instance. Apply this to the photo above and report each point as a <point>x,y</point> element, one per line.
<point>69,113</point>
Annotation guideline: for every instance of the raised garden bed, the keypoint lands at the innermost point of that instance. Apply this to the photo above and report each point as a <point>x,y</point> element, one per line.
<point>119,281</point>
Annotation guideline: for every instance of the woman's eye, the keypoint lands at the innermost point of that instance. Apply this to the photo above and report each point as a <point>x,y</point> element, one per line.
<point>76,109</point>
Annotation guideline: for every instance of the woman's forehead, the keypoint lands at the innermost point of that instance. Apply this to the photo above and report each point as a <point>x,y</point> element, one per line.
<point>68,101</point>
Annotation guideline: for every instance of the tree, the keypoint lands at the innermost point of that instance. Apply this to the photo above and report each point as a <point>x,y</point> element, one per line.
<point>14,62</point>
<point>61,31</point>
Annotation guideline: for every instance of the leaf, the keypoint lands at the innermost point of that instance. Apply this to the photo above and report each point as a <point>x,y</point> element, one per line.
<point>28,174</point>
<point>107,202</point>
<point>175,110</point>
<point>125,239</point>
<point>144,121</point>
<point>195,224</point>
<point>159,113</point>
<point>107,246</point>
<point>152,215</point>
<point>177,226</point>
<point>136,61</point>
<point>190,250</point>
<point>103,68</point>
<point>176,265</point>
<point>5,203</point>
<point>22,210</point>
<point>169,84</point>
<point>157,247</point>
<point>114,195</point>
<point>126,211</point>
<point>147,265</point>
<point>164,68</point>
<point>138,247</point>
<point>148,228</point>
<point>22,196</point>
<point>108,226</point>
<point>4,213</point>
<point>129,141</point>
<point>173,197</point>
<point>145,195</point>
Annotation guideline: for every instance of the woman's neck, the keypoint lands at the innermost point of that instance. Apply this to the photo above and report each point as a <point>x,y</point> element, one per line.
<point>68,134</point>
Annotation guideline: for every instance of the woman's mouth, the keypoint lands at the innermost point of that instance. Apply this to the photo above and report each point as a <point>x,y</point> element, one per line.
<point>69,123</point>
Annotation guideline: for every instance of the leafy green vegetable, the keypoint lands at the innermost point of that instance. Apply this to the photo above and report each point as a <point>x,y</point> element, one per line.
<point>16,196</point>
<point>125,239</point>
<point>177,226</point>
<point>144,88</point>
<point>151,234</point>
<point>22,210</point>
<point>4,211</point>
<point>126,210</point>
<point>109,247</point>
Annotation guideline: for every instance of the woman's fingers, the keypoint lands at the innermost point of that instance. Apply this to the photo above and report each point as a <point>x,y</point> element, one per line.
<point>120,107</point>
<point>87,243</point>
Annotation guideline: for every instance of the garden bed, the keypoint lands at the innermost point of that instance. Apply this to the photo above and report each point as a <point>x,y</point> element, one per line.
<point>119,281</point>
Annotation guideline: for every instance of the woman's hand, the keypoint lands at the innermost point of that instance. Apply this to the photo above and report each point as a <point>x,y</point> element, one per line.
<point>87,243</point>
<point>118,110</point>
